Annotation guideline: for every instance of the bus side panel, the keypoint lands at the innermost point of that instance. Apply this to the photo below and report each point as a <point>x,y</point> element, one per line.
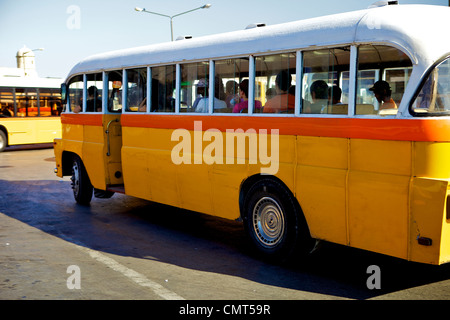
<point>148,169</point>
<point>429,202</point>
<point>226,180</point>
<point>32,130</point>
<point>427,215</point>
<point>93,155</point>
<point>195,184</point>
<point>135,157</point>
<point>20,130</point>
<point>47,129</point>
<point>445,238</point>
<point>321,186</point>
<point>378,189</point>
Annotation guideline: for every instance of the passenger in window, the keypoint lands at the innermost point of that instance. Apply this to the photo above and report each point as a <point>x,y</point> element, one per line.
<point>334,95</point>
<point>77,108</point>
<point>270,93</point>
<point>202,92</point>
<point>143,105</point>
<point>319,96</point>
<point>283,101</point>
<point>93,102</point>
<point>6,112</point>
<point>232,93</point>
<point>242,107</point>
<point>201,104</point>
<point>382,91</point>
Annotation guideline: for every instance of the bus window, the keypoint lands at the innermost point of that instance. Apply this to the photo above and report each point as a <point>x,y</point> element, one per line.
<point>383,73</point>
<point>6,102</point>
<point>115,91</point>
<point>163,89</point>
<point>325,81</point>
<point>75,95</point>
<point>26,102</point>
<point>194,87</point>
<point>137,90</point>
<point>49,102</point>
<point>94,92</point>
<point>434,97</point>
<point>275,78</point>
<point>229,74</point>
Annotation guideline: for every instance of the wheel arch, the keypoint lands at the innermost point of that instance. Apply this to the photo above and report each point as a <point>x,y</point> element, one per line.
<point>5,131</point>
<point>66,162</point>
<point>252,180</point>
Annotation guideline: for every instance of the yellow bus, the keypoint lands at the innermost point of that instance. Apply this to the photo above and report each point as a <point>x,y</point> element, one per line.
<point>350,146</point>
<point>30,109</point>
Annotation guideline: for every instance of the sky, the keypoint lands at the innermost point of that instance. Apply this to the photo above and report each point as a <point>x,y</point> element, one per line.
<point>70,30</point>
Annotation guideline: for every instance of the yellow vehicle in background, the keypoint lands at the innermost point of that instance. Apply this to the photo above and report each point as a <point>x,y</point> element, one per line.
<point>30,110</point>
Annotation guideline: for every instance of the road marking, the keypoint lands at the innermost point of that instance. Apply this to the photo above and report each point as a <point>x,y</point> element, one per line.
<point>135,276</point>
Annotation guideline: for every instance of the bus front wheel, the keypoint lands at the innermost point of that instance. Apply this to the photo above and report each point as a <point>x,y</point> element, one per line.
<point>274,222</point>
<point>81,185</point>
<point>3,141</point>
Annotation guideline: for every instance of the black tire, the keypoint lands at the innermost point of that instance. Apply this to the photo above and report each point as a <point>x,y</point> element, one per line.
<point>275,224</point>
<point>3,141</point>
<point>81,185</point>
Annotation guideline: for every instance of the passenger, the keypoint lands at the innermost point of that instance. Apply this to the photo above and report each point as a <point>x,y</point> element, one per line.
<point>334,95</point>
<point>243,93</point>
<point>143,105</point>
<point>270,93</point>
<point>283,101</point>
<point>201,104</point>
<point>292,90</point>
<point>382,92</point>
<point>77,108</point>
<point>93,103</point>
<point>6,112</point>
<point>202,92</point>
<point>232,93</point>
<point>319,96</point>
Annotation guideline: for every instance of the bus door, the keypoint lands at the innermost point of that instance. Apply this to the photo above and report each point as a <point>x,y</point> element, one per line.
<point>112,129</point>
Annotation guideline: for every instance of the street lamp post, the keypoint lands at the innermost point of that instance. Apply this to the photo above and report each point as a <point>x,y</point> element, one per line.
<point>206,6</point>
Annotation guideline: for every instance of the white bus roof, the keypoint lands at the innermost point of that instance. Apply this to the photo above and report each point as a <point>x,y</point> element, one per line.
<point>30,82</point>
<point>419,30</point>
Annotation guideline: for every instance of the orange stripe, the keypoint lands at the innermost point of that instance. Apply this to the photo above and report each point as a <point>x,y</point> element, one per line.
<point>417,129</point>
<point>433,129</point>
<point>82,118</point>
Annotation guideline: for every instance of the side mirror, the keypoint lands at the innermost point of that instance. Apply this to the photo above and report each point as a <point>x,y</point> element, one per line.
<point>63,93</point>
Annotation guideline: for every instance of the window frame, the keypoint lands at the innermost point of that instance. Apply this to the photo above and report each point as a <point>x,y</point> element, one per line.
<point>299,73</point>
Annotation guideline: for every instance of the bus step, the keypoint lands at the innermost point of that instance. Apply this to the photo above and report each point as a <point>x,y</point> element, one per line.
<point>116,188</point>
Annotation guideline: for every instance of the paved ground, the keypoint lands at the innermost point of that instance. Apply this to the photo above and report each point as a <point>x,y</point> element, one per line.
<point>128,248</point>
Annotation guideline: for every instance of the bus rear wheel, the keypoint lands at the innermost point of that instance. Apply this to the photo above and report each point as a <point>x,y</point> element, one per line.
<point>81,185</point>
<point>275,224</point>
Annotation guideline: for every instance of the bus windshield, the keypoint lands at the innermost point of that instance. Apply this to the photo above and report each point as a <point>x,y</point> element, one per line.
<point>434,97</point>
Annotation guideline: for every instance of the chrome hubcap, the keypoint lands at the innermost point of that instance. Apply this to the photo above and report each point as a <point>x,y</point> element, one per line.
<point>268,222</point>
<point>75,178</point>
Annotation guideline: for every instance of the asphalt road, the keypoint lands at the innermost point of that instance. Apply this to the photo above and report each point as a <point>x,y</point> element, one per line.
<point>128,248</point>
